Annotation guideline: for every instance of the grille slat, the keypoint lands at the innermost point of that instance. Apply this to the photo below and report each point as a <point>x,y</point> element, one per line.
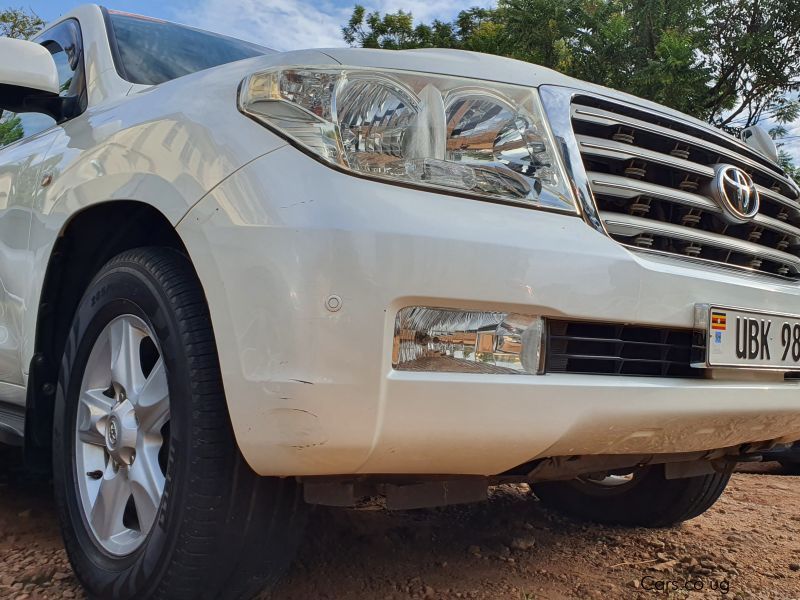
<point>615,185</point>
<point>617,359</point>
<point>777,225</point>
<point>601,340</point>
<point>651,176</point>
<point>774,196</point>
<point>617,349</point>
<point>622,151</point>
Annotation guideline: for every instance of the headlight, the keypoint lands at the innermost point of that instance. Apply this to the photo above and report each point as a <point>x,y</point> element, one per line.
<point>464,136</point>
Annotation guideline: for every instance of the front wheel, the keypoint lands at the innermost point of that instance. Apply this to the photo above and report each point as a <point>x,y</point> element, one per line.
<point>154,498</point>
<point>644,497</point>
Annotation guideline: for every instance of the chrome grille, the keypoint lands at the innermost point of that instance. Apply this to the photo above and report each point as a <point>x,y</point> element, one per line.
<point>651,177</point>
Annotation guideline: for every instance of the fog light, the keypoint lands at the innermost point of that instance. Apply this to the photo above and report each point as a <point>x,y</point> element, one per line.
<point>457,341</point>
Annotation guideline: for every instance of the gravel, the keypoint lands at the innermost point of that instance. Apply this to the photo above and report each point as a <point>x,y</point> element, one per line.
<point>746,547</point>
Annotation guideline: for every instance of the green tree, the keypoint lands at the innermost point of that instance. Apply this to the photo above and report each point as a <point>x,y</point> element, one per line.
<point>394,31</point>
<point>753,53</point>
<point>10,130</point>
<point>19,23</point>
<point>789,112</point>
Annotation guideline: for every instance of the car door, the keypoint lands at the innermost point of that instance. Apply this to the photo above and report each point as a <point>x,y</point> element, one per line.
<point>20,165</point>
<point>25,139</point>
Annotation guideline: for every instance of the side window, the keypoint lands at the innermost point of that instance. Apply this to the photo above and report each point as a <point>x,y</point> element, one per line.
<point>64,43</point>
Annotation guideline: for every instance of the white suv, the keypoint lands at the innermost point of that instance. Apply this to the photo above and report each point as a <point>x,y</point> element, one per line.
<point>235,281</point>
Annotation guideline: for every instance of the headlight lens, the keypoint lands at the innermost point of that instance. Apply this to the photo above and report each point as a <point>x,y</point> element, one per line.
<point>471,137</point>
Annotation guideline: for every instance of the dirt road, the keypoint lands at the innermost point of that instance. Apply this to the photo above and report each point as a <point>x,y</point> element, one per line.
<point>747,546</point>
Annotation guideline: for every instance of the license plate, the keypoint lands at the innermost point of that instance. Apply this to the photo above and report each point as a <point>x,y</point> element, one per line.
<point>746,338</point>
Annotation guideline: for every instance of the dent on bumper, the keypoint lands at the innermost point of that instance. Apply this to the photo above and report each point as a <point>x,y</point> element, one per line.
<point>312,391</point>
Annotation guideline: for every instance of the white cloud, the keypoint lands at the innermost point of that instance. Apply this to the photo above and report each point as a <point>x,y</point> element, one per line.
<point>279,24</point>
<point>294,24</point>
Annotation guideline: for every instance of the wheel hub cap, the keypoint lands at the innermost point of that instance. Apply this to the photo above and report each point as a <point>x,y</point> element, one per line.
<point>122,432</point>
<point>122,420</point>
<point>112,434</point>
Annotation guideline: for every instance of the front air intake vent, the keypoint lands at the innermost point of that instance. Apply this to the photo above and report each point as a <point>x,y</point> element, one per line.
<point>615,349</point>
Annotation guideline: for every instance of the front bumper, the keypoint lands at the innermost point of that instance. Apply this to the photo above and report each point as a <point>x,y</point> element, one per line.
<point>312,391</point>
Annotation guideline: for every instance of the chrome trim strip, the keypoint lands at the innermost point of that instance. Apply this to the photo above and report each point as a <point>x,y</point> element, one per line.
<point>625,187</point>
<point>693,260</point>
<point>556,102</point>
<point>622,151</point>
<point>776,197</point>
<point>629,226</point>
<point>603,117</point>
<point>776,225</point>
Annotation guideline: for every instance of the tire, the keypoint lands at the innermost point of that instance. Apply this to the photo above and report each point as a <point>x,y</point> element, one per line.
<point>217,530</point>
<point>647,500</point>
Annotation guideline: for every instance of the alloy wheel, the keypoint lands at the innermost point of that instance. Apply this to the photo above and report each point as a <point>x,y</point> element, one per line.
<point>121,435</point>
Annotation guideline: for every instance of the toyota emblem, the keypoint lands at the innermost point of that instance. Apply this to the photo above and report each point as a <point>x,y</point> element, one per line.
<point>736,193</point>
<point>112,432</point>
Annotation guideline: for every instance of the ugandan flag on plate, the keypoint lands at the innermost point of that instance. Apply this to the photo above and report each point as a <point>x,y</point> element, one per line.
<point>719,321</point>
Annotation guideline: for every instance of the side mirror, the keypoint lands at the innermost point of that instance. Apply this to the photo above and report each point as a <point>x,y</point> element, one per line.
<point>28,79</point>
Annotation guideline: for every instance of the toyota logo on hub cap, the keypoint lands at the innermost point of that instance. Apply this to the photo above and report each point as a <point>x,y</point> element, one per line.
<point>112,432</point>
<point>736,193</point>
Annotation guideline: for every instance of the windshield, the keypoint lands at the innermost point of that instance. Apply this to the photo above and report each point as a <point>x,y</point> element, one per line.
<point>150,51</point>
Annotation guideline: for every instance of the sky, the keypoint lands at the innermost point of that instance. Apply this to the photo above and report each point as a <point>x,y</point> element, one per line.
<point>279,24</point>
<point>290,24</point>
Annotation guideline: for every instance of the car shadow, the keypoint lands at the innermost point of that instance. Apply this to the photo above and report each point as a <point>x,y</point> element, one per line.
<point>765,468</point>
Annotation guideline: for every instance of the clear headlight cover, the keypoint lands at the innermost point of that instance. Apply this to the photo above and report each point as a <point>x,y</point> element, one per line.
<point>470,137</point>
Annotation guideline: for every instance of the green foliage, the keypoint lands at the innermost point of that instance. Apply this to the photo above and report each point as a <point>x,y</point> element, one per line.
<point>785,160</point>
<point>393,31</point>
<point>397,31</point>
<point>730,62</point>
<point>788,111</point>
<point>19,23</point>
<point>10,130</point>
<point>753,53</point>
